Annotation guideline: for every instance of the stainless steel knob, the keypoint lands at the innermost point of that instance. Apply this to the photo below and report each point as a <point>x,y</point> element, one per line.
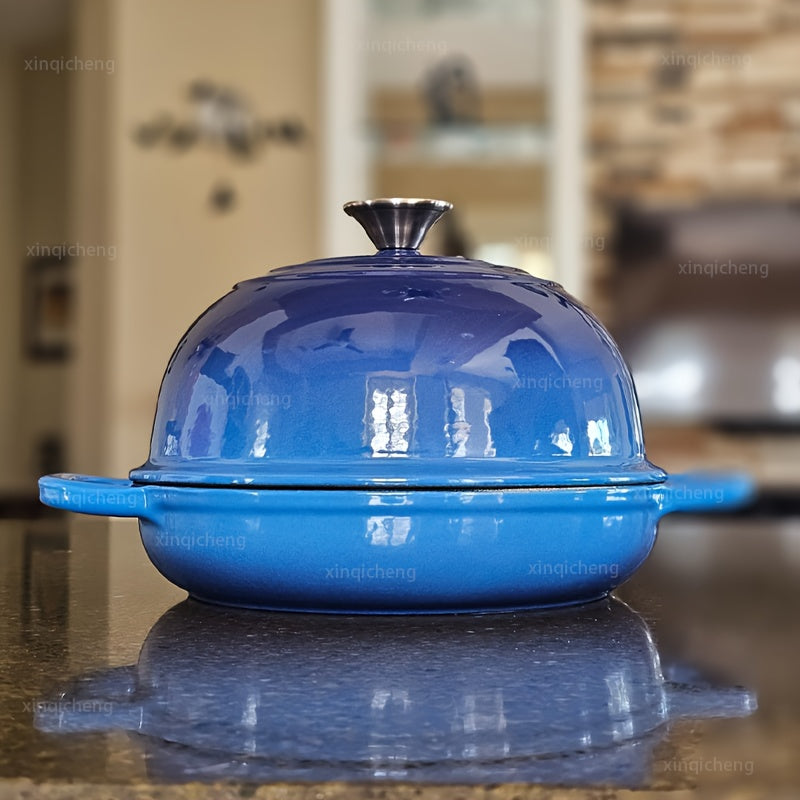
<point>397,223</point>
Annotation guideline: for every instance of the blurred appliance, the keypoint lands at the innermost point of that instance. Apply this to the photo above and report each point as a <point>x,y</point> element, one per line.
<point>708,312</point>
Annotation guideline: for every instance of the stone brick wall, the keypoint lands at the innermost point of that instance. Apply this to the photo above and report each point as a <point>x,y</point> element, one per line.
<point>689,101</point>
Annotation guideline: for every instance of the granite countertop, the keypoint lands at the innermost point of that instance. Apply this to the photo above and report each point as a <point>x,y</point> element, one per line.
<point>113,684</point>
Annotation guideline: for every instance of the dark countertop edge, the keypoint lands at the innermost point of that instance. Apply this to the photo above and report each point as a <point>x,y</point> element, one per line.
<point>16,788</point>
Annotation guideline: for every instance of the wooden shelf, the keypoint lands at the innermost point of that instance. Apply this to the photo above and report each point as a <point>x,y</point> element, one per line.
<point>488,183</point>
<point>405,108</point>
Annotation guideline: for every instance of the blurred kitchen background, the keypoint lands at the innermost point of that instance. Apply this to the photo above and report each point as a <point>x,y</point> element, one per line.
<point>645,153</point>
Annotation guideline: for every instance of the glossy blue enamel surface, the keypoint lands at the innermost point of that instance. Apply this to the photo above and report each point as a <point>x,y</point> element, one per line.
<point>397,368</point>
<point>395,550</point>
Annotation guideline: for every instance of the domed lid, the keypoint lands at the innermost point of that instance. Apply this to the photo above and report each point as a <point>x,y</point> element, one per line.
<point>397,369</point>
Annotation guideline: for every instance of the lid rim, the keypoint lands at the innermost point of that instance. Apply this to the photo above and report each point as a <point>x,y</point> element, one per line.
<point>642,473</point>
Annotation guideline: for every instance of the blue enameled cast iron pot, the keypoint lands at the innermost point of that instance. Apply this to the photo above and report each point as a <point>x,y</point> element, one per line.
<point>396,433</point>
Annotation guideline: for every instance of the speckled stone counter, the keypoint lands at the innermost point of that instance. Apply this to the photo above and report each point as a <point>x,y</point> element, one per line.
<point>114,685</point>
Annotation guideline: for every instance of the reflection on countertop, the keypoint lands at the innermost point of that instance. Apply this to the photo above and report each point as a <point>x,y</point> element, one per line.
<point>535,697</point>
<point>106,680</point>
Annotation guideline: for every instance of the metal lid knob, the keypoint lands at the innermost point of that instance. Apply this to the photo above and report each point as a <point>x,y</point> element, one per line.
<point>397,223</point>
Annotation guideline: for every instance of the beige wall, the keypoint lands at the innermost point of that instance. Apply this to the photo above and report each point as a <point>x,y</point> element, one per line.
<point>175,256</point>
<point>33,151</point>
<point>10,440</point>
<point>9,317</point>
<point>91,219</point>
<point>42,224</point>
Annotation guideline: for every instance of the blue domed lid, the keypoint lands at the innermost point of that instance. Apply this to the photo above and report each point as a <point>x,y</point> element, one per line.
<point>397,369</point>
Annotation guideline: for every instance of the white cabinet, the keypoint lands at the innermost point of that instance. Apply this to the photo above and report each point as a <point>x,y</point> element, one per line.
<point>478,102</point>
